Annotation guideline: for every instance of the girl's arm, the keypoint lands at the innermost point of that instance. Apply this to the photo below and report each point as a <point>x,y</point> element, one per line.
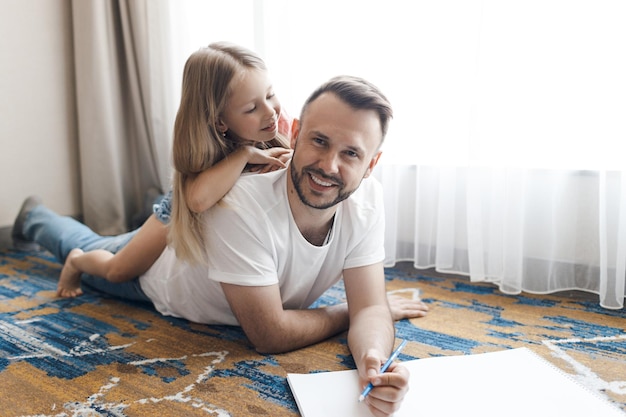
<point>209,186</point>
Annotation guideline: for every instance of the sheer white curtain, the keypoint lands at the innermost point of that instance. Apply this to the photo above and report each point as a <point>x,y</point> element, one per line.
<point>535,230</point>
<point>503,160</point>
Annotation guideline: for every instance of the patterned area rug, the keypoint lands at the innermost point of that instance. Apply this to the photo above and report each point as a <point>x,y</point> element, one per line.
<point>98,356</point>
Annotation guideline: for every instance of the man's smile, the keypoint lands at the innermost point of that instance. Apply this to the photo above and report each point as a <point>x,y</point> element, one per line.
<point>317,180</point>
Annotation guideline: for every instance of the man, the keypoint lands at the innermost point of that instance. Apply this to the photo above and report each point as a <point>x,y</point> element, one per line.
<point>277,241</point>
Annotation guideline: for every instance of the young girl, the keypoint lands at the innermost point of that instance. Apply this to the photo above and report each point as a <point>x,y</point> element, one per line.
<point>227,123</point>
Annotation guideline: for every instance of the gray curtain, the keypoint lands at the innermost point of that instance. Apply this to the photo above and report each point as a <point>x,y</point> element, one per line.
<point>124,104</point>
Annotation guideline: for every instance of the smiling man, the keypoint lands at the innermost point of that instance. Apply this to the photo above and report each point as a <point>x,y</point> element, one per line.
<point>277,241</point>
<point>334,138</point>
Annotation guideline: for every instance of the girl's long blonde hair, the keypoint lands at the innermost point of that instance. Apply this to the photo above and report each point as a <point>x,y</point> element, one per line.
<point>198,144</point>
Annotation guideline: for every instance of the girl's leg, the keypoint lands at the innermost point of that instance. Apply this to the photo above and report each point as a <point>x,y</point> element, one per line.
<point>138,255</point>
<point>131,261</point>
<point>60,234</point>
<point>93,262</point>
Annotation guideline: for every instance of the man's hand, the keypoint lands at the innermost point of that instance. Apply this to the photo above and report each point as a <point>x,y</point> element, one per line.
<point>405,308</point>
<point>389,388</point>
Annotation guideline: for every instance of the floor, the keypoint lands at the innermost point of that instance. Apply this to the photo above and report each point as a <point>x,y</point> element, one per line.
<point>432,272</point>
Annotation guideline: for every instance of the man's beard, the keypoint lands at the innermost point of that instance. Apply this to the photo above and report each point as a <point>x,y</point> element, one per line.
<point>297,180</point>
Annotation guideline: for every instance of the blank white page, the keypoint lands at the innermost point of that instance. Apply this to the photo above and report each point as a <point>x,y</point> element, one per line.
<point>515,382</point>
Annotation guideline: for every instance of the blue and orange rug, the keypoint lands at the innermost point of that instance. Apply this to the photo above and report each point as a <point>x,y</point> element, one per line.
<point>98,356</point>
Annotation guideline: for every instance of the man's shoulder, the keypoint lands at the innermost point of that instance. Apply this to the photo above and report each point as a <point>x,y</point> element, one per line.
<point>365,206</point>
<point>369,194</point>
<point>250,211</point>
<point>261,189</point>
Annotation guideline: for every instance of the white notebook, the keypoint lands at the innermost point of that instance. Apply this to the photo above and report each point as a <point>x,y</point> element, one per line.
<point>527,385</point>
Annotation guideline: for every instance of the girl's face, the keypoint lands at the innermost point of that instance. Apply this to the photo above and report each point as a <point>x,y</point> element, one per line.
<point>252,111</point>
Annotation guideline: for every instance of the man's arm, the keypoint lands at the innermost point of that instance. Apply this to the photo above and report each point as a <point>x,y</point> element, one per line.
<point>272,329</point>
<point>371,338</point>
<point>371,324</point>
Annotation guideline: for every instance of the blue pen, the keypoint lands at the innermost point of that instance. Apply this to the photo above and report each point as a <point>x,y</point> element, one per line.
<point>392,358</point>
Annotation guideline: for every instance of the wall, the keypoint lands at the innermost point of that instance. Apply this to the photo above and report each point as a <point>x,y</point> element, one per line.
<point>38,128</point>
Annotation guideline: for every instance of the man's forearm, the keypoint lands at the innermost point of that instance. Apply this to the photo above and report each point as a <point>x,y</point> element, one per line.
<point>299,328</point>
<point>371,329</point>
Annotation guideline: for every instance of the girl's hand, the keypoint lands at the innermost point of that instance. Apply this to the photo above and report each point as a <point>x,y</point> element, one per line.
<point>267,160</point>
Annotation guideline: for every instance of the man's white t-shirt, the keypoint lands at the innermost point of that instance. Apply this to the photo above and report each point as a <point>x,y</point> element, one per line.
<point>252,240</point>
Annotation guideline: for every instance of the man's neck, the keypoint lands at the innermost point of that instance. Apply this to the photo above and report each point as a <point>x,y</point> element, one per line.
<point>314,224</point>
<point>317,236</point>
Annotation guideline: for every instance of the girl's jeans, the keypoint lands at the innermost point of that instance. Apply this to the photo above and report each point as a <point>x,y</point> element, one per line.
<point>60,234</point>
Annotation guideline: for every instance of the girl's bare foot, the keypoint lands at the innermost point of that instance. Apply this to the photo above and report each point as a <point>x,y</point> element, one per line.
<point>69,282</point>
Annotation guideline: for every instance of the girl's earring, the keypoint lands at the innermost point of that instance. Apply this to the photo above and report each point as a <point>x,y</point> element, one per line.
<point>224,134</point>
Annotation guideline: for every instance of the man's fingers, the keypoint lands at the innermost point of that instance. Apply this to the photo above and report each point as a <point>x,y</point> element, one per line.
<point>387,396</point>
<point>406,308</point>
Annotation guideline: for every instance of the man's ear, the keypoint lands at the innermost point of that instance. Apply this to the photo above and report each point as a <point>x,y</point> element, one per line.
<point>295,131</point>
<point>373,163</point>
